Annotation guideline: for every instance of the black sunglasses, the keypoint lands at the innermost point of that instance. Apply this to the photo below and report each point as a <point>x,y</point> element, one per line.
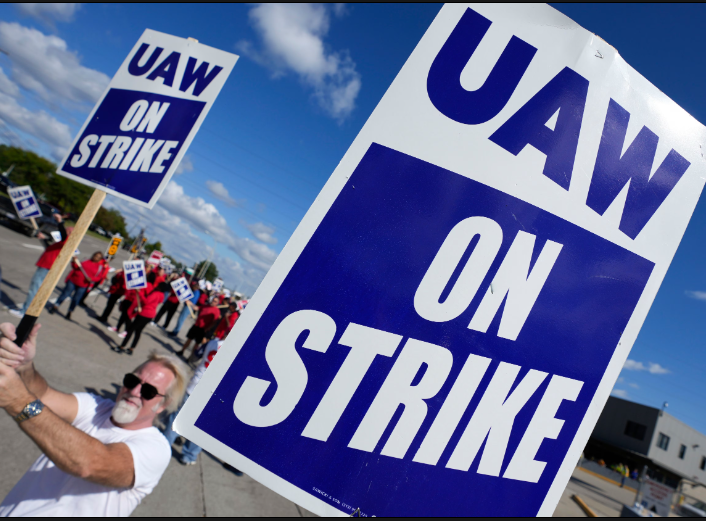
<point>147,391</point>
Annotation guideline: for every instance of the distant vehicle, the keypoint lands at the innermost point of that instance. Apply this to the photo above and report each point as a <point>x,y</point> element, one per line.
<point>9,217</point>
<point>696,510</point>
<point>101,231</point>
<point>5,184</point>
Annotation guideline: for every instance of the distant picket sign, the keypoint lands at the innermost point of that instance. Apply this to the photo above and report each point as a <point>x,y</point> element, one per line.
<point>138,132</point>
<point>443,329</point>
<point>25,202</point>
<point>155,258</point>
<point>217,285</point>
<point>56,235</point>
<point>182,289</point>
<point>135,277</point>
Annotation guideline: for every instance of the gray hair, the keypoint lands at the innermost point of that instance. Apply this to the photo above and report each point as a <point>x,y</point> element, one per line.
<point>175,391</point>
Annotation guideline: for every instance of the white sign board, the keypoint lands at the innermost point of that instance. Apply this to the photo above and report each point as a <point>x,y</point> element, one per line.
<point>56,235</point>
<point>25,202</point>
<point>138,132</point>
<point>182,290</point>
<point>217,285</point>
<point>135,277</point>
<point>493,240</point>
<point>656,497</point>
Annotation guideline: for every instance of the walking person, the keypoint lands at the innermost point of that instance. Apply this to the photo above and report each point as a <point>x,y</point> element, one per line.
<point>191,303</point>
<point>169,307</point>
<point>78,280</point>
<point>142,311</point>
<point>208,314</point>
<point>100,457</point>
<point>219,330</point>
<point>44,263</point>
<point>116,290</point>
<point>105,268</point>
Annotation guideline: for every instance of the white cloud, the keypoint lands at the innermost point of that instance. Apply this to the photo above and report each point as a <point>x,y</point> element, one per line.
<point>44,64</point>
<point>620,393</point>
<point>651,367</point>
<point>698,295</point>
<point>261,232</point>
<point>220,192</point>
<point>49,12</point>
<point>7,86</point>
<point>38,124</point>
<point>292,40</point>
<point>634,385</point>
<point>185,166</point>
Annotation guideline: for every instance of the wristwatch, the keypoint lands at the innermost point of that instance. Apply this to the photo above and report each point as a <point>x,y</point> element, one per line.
<point>31,410</point>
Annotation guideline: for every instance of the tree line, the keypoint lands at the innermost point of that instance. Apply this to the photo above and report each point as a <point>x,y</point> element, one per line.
<point>71,197</point>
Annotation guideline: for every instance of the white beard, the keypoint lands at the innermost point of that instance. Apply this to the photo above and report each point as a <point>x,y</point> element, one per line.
<point>124,412</point>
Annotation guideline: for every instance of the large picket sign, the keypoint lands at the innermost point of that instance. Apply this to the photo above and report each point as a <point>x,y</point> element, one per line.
<point>140,129</point>
<point>441,333</point>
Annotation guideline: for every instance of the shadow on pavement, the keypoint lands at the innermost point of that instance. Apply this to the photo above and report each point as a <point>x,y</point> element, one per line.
<point>102,334</point>
<point>111,395</point>
<point>4,299</point>
<point>598,491</point>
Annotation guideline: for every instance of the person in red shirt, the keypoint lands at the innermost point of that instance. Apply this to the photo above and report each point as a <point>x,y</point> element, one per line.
<point>105,268</point>
<point>169,307</point>
<point>141,312</point>
<point>208,314</point>
<point>116,290</point>
<point>44,264</point>
<point>227,321</point>
<point>78,280</point>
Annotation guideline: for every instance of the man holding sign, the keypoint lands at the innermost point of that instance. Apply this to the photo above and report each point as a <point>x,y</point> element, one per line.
<point>45,262</point>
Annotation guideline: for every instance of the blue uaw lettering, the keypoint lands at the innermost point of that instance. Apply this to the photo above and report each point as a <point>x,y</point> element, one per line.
<point>199,77</point>
<point>492,421</point>
<point>125,152</point>
<point>566,94</point>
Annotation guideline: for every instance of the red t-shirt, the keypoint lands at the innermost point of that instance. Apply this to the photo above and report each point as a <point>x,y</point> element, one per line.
<point>149,300</point>
<point>79,279</point>
<point>118,287</point>
<point>172,296</point>
<point>104,271</point>
<point>207,316</point>
<point>202,299</point>
<point>46,259</point>
<point>225,325</point>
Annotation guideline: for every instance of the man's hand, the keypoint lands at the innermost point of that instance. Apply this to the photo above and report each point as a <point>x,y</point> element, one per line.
<point>13,392</point>
<point>11,354</point>
<point>57,217</point>
<point>41,236</point>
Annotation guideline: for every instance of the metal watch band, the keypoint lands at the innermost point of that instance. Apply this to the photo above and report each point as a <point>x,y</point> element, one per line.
<point>30,410</point>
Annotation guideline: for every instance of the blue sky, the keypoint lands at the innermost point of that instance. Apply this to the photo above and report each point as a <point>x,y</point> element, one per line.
<point>308,78</point>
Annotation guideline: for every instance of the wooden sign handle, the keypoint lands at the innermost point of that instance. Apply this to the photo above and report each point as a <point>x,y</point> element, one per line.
<point>45,290</point>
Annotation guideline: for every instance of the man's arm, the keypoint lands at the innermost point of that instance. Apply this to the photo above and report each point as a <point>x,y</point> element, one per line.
<point>72,450</point>
<point>21,359</point>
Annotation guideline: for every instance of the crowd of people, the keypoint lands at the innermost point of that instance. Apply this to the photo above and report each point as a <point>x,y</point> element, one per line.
<point>101,457</point>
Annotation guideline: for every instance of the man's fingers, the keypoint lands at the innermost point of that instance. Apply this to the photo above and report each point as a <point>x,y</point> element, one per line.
<point>8,330</point>
<point>7,354</point>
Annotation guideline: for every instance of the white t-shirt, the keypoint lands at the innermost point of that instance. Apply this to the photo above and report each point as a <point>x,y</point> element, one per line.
<point>45,490</point>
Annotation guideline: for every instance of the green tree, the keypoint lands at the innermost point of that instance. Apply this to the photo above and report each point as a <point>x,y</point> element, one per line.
<point>211,271</point>
<point>111,221</point>
<point>150,247</point>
